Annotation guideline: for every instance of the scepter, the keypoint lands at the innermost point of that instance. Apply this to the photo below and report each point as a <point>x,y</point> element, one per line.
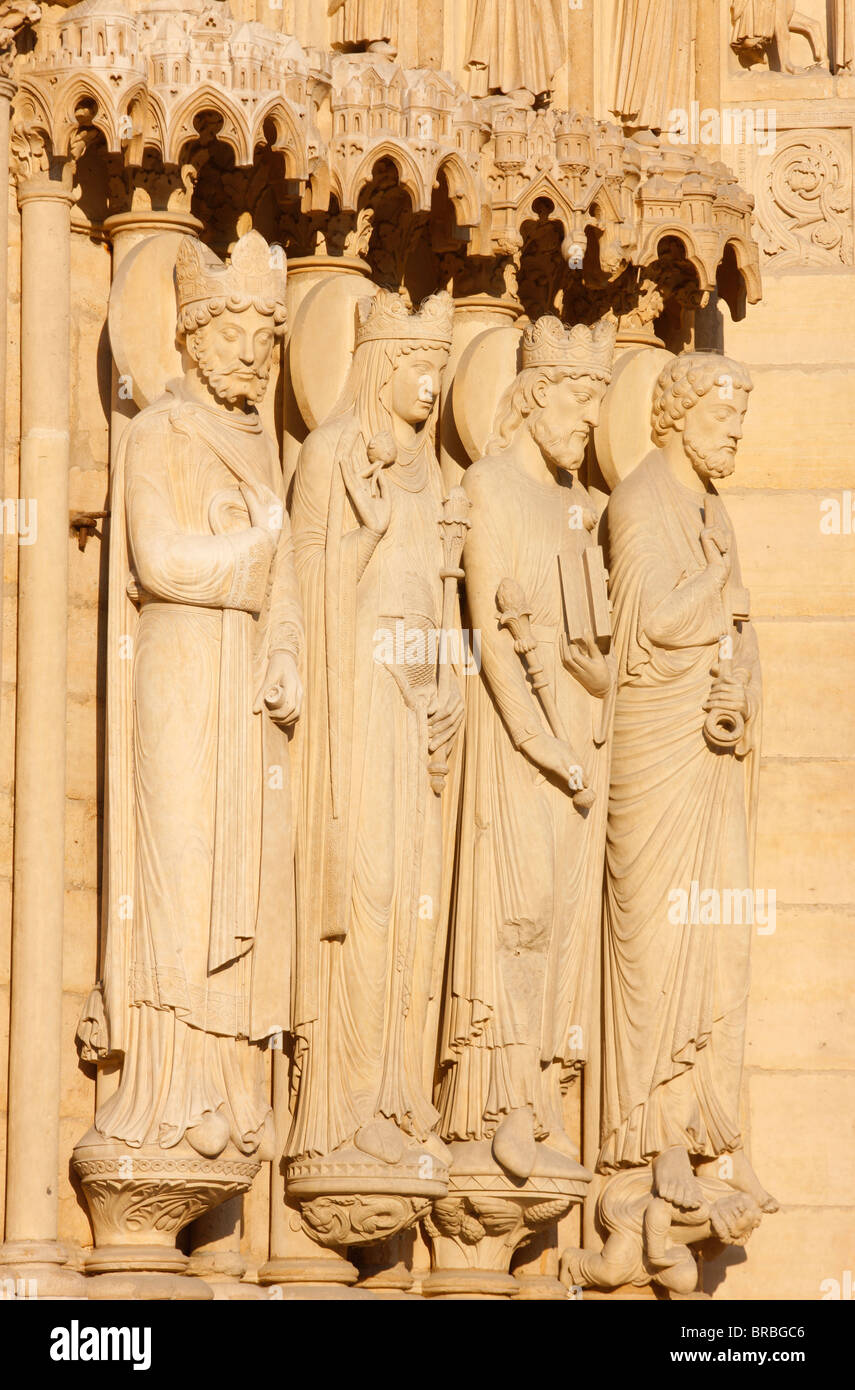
<point>453,525</point>
<point>516,617</point>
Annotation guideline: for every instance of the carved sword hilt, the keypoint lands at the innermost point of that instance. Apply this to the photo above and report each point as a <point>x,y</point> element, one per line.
<point>515,615</point>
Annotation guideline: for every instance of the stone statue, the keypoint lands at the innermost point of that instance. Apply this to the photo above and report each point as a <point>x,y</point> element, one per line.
<point>517,1014</point>
<point>515,46</point>
<point>15,17</point>
<point>649,1238</point>
<point>375,831</point>
<point>365,24</point>
<point>844,35</point>
<point>653,76</point>
<point>683,800</point>
<point>758,23</point>
<point>204,638</point>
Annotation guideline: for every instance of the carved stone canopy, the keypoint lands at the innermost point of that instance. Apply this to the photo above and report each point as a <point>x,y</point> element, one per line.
<point>145,81</point>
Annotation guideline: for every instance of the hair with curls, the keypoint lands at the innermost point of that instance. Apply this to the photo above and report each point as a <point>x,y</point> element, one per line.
<point>685,381</point>
<point>518,402</point>
<point>202,311</point>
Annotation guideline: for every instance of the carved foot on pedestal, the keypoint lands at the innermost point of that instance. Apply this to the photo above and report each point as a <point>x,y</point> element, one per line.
<point>139,1200</point>
<point>487,1214</point>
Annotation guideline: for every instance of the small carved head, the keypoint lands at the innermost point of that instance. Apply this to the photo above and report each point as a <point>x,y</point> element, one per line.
<point>229,315</point>
<point>701,398</point>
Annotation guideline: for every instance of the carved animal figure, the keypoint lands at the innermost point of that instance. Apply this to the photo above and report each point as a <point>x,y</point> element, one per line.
<point>756,23</point>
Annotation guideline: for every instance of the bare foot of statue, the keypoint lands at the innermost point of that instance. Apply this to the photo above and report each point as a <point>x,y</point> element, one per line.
<point>514,1144</point>
<point>674,1180</point>
<point>734,1217</point>
<point>740,1175</point>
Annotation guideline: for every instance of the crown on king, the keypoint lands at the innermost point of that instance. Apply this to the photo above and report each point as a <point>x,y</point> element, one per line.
<point>588,351</point>
<point>385,315</point>
<point>255,271</point>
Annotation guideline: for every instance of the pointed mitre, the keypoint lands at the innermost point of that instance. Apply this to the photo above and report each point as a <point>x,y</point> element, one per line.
<point>580,350</point>
<point>385,315</point>
<point>254,271</point>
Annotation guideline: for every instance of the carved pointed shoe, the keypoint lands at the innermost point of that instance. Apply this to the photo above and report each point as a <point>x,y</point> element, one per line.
<point>514,1147</point>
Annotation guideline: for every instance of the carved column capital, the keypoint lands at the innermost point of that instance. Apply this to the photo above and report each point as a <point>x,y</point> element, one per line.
<point>37,172</point>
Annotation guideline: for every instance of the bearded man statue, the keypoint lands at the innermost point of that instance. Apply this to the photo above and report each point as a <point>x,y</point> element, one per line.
<point>518,1006</point>
<point>205,632</point>
<point>683,800</point>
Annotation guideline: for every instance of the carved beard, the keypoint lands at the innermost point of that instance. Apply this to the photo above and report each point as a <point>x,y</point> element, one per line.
<point>715,463</point>
<point>223,383</point>
<point>559,450</point>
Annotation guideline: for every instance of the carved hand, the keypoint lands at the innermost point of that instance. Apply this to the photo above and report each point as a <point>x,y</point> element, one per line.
<point>266,512</point>
<point>281,691</point>
<point>716,548</point>
<point>555,757</point>
<point>585,661</point>
<point>444,717</point>
<point>728,693</point>
<point>373,509</point>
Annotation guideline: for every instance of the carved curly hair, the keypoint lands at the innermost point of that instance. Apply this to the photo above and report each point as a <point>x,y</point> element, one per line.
<point>685,380</point>
<point>197,315</point>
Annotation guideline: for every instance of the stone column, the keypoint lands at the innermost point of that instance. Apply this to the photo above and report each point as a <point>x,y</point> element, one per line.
<point>708,63</point>
<point>217,1257</point>
<point>304,273</point>
<point>7,91</point>
<point>45,197</point>
<point>298,1269</point>
<point>431,33</point>
<point>473,314</point>
<point>581,54</point>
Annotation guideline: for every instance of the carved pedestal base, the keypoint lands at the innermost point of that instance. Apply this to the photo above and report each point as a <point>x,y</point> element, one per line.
<point>138,1201</point>
<point>37,1269</point>
<point>329,1279</point>
<point>475,1230</point>
<point>349,1198</point>
<point>223,1272</point>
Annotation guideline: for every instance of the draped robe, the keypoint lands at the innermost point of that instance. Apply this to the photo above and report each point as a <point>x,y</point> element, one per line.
<point>198,898</point>
<point>675,992</point>
<point>373,840</point>
<point>521,44</point>
<point>654,62</point>
<point>753,22</point>
<point>366,21</point>
<point>519,1006</point>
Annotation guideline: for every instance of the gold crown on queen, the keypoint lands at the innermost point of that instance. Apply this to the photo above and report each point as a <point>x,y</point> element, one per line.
<point>385,315</point>
<point>254,271</point>
<point>580,349</point>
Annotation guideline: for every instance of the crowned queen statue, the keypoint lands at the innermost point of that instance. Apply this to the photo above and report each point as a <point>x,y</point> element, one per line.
<point>375,826</point>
